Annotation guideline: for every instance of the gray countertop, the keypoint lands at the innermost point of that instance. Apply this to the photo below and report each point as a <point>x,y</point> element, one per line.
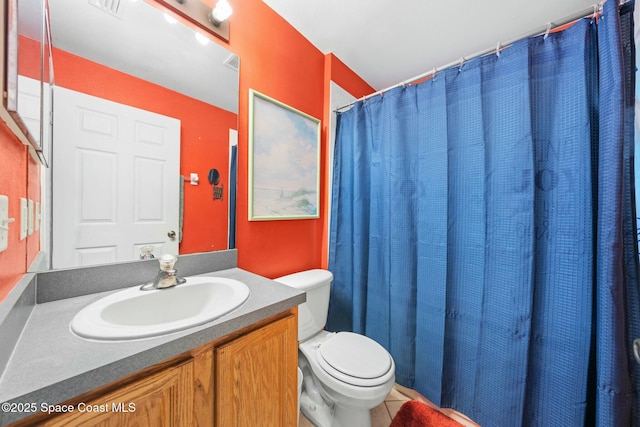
<point>50,364</point>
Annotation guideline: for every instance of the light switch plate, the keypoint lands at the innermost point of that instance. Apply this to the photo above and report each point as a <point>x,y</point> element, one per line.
<point>38,216</point>
<point>24,215</point>
<point>4,215</point>
<point>30,217</point>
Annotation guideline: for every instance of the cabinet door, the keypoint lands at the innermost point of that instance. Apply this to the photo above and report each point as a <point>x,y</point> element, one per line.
<point>161,399</point>
<point>256,377</point>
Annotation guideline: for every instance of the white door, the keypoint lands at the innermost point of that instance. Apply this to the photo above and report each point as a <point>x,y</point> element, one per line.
<point>115,181</point>
<point>29,94</point>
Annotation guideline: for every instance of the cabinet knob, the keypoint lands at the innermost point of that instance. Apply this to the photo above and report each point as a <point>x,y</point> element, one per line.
<point>171,234</point>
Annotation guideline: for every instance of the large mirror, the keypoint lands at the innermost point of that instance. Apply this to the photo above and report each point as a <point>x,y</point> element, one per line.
<point>27,72</point>
<point>130,75</point>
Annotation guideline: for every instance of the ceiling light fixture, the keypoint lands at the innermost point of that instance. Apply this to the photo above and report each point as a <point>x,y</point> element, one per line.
<point>220,13</point>
<point>199,12</point>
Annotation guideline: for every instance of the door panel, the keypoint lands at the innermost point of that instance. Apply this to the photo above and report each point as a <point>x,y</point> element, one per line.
<point>115,181</point>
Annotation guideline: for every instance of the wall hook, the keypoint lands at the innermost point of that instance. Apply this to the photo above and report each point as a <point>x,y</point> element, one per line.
<point>214,179</point>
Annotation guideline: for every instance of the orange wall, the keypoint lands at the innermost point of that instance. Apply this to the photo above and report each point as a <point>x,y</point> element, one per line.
<point>278,62</point>
<point>17,168</point>
<point>203,146</point>
<point>14,159</point>
<point>343,76</point>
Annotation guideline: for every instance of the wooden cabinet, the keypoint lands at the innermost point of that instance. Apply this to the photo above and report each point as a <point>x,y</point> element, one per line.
<point>248,378</point>
<point>161,399</point>
<point>256,378</point>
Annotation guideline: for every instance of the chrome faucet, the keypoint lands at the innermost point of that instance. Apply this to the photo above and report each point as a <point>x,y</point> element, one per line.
<point>167,276</point>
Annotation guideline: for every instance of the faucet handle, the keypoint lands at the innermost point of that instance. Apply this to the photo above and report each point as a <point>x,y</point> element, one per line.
<point>167,261</point>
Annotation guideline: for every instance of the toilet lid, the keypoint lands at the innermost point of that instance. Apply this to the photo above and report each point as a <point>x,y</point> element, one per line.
<point>349,357</point>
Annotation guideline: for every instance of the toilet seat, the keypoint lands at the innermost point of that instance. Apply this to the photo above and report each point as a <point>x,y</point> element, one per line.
<point>355,359</point>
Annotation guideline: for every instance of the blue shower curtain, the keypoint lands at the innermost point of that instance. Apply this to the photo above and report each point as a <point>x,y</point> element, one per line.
<point>476,232</point>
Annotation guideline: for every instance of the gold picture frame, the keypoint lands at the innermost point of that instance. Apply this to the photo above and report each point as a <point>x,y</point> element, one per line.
<point>284,161</point>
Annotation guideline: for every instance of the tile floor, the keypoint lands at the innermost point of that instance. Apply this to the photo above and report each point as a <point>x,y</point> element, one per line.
<point>382,414</point>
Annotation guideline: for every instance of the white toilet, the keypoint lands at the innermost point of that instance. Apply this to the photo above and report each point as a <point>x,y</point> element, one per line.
<point>345,374</point>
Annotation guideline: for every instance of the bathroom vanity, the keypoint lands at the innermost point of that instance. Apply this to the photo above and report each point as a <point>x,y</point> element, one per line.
<point>239,369</point>
<point>245,378</point>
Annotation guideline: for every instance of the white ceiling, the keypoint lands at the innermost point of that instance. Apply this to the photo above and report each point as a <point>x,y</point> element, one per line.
<point>385,42</point>
<point>138,40</point>
<point>389,41</point>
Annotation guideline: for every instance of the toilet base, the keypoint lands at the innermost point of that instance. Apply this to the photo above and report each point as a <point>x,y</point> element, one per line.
<point>323,415</point>
<point>319,413</point>
<point>349,417</point>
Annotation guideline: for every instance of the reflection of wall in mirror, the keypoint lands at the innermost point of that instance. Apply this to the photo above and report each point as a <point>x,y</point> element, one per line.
<point>29,58</point>
<point>204,139</point>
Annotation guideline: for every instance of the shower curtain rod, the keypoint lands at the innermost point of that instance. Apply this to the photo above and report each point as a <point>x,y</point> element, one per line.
<point>584,13</point>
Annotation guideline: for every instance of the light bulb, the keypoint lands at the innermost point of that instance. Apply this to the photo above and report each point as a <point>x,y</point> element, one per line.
<point>220,13</point>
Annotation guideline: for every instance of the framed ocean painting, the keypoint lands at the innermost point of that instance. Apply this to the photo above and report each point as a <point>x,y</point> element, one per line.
<point>284,161</point>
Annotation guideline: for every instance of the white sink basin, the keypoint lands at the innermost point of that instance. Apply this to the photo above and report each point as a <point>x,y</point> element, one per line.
<point>132,313</point>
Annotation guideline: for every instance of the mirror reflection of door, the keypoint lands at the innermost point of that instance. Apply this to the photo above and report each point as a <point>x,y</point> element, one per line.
<point>29,104</point>
<point>115,186</point>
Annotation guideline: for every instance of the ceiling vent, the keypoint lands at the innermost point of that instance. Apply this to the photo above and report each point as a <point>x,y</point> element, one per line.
<point>233,62</point>
<point>112,7</point>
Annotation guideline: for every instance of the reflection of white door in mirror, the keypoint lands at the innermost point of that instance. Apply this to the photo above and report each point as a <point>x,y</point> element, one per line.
<point>115,186</point>
<point>29,105</point>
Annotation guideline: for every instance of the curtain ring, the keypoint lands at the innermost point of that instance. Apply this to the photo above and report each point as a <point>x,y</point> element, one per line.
<point>598,11</point>
<point>498,50</point>
<point>461,64</point>
<point>434,74</point>
<point>546,33</point>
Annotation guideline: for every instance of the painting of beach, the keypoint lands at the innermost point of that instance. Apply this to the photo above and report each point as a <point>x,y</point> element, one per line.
<point>284,152</point>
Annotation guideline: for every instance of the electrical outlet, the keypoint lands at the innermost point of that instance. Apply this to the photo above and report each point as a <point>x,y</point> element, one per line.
<point>4,222</point>
<point>38,216</point>
<point>30,217</point>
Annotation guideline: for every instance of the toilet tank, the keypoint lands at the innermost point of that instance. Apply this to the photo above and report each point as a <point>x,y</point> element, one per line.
<point>312,315</point>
